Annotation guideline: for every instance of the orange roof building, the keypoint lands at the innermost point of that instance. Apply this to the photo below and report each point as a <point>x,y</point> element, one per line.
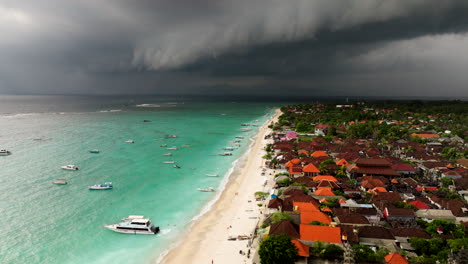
<point>326,234</point>
<point>395,258</point>
<point>324,177</point>
<point>292,162</point>
<point>302,250</point>
<point>342,162</point>
<point>324,191</point>
<point>309,217</point>
<point>425,135</point>
<point>310,170</point>
<point>378,190</point>
<point>305,207</point>
<point>319,153</point>
<point>304,152</point>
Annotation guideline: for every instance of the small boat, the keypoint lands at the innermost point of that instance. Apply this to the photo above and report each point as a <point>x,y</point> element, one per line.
<point>69,167</point>
<point>170,136</point>
<point>245,124</point>
<point>168,154</point>
<point>105,186</point>
<point>225,154</point>
<point>245,129</point>
<point>237,141</point>
<point>172,148</point>
<point>60,181</point>
<point>185,146</point>
<point>134,224</point>
<point>94,151</point>
<point>129,141</point>
<point>163,145</point>
<point>229,148</point>
<point>212,175</point>
<point>177,166</point>
<point>146,121</point>
<point>236,144</point>
<point>169,161</point>
<point>4,152</point>
<point>209,189</point>
<point>239,137</point>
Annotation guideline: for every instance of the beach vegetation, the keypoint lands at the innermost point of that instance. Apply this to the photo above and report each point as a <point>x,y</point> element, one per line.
<point>279,216</point>
<point>259,204</point>
<point>281,174</point>
<point>284,182</point>
<point>267,156</point>
<point>261,195</point>
<point>277,249</point>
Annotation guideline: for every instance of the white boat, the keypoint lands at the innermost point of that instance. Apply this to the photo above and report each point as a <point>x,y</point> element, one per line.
<point>212,175</point>
<point>239,137</point>
<point>186,146</point>
<point>60,181</point>
<point>105,186</point>
<point>4,152</point>
<point>245,129</point>
<point>163,145</point>
<point>229,148</point>
<point>129,141</point>
<point>226,154</point>
<point>168,154</point>
<point>209,189</point>
<point>172,148</point>
<point>177,166</point>
<point>170,136</point>
<point>169,161</point>
<point>69,167</point>
<point>134,224</point>
<point>94,151</point>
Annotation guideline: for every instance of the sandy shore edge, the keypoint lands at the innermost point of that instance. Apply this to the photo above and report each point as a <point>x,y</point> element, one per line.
<point>235,213</point>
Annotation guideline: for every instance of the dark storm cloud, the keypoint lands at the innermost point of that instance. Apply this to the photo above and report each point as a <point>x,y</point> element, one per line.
<point>243,46</point>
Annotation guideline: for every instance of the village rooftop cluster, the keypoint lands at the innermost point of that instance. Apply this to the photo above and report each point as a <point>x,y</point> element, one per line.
<point>370,182</point>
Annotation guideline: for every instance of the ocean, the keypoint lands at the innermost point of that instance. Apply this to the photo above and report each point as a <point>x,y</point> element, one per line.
<point>46,223</point>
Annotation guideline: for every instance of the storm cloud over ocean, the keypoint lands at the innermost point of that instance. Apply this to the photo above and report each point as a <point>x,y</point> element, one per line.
<point>307,47</point>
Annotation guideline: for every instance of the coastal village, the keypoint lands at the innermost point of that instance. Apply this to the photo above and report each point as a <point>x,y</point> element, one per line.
<point>366,182</point>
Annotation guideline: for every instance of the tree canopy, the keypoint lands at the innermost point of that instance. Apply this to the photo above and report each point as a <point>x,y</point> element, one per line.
<point>277,249</point>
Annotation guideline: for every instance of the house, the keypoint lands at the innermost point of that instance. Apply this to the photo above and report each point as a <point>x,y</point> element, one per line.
<point>309,234</point>
<point>308,217</point>
<point>435,214</point>
<point>419,205</point>
<point>325,177</point>
<point>371,214</point>
<point>377,236</point>
<point>395,258</point>
<point>275,205</point>
<point>302,249</point>
<point>372,167</point>
<point>404,168</point>
<point>321,129</point>
<point>284,227</point>
<point>310,170</point>
<point>319,153</point>
<point>401,215</point>
<point>425,136</point>
<point>403,235</point>
<point>352,219</point>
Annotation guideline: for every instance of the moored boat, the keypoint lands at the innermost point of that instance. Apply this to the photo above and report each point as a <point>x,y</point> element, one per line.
<point>168,154</point>
<point>209,189</point>
<point>170,136</point>
<point>60,181</point>
<point>105,186</point>
<point>172,148</point>
<point>177,166</point>
<point>225,154</point>
<point>212,175</point>
<point>94,151</point>
<point>134,224</point>
<point>163,145</point>
<point>239,137</point>
<point>169,161</point>
<point>4,152</point>
<point>130,141</point>
<point>228,148</point>
<point>69,167</point>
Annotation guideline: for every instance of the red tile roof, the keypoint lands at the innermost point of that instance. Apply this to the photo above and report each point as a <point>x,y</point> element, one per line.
<point>319,154</point>
<point>320,233</point>
<point>342,162</point>
<point>305,207</point>
<point>425,135</point>
<point>310,168</point>
<point>395,258</point>
<point>308,217</point>
<point>325,177</point>
<point>403,167</point>
<point>302,250</point>
<point>327,192</point>
<point>419,205</point>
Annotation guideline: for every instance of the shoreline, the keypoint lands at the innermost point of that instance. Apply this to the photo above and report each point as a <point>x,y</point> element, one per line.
<point>234,213</point>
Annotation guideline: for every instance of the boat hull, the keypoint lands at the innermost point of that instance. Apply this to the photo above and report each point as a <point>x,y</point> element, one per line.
<point>132,232</point>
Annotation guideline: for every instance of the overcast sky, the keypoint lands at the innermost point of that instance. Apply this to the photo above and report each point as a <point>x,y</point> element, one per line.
<point>293,47</point>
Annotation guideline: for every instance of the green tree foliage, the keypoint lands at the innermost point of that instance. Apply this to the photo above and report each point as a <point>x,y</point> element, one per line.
<point>302,127</point>
<point>279,216</point>
<point>446,181</point>
<point>277,249</point>
<point>430,250</point>
<point>401,204</point>
<point>329,251</point>
<point>365,254</point>
<point>458,231</point>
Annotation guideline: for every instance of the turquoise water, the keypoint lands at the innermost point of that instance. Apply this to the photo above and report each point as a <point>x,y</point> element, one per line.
<point>45,223</point>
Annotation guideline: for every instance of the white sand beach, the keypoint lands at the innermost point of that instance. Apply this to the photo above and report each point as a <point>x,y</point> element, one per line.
<point>235,213</point>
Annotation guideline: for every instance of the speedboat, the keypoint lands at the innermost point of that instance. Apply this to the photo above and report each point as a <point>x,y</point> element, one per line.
<point>228,148</point>
<point>94,151</point>
<point>129,141</point>
<point>169,161</point>
<point>209,189</point>
<point>170,136</point>
<point>168,154</point>
<point>60,181</point>
<point>146,121</point>
<point>226,154</point>
<point>212,175</point>
<point>134,224</point>
<point>177,166</point>
<point>172,148</point>
<point>4,152</point>
<point>105,186</point>
<point>163,145</point>
<point>69,167</point>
